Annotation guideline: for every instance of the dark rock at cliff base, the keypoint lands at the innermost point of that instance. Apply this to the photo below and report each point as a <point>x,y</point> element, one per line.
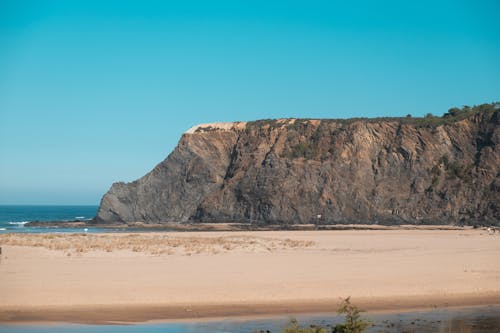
<point>432,170</point>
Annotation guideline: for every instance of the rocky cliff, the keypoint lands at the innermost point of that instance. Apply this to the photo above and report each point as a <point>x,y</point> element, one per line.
<point>439,170</point>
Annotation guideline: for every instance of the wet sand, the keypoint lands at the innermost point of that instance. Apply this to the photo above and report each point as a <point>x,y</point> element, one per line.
<point>157,276</point>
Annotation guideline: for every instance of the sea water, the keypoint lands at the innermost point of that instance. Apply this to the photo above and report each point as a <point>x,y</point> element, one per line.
<point>485,319</point>
<point>14,217</point>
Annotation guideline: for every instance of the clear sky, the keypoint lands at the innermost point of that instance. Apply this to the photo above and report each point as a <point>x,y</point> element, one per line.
<point>93,92</point>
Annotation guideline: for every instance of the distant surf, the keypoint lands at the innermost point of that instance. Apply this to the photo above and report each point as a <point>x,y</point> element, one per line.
<point>13,218</point>
<point>18,223</point>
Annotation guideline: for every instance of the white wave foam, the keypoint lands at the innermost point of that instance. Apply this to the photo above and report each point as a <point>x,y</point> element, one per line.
<point>18,223</point>
<point>79,217</point>
<point>1,229</point>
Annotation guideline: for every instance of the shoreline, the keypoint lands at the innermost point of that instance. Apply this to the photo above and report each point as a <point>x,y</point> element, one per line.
<point>159,313</point>
<point>224,226</point>
<point>138,277</point>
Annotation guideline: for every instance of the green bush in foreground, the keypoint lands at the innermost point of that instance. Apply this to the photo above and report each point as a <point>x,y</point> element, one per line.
<point>352,324</point>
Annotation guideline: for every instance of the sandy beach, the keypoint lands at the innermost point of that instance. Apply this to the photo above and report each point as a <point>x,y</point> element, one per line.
<point>164,276</point>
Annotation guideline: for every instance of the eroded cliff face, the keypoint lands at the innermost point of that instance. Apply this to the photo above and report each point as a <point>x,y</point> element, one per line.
<point>436,170</point>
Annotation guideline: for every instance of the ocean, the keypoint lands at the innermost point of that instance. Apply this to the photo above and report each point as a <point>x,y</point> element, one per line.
<point>14,217</point>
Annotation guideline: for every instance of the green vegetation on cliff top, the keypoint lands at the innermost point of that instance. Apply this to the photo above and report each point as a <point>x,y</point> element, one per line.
<point>453,115</point>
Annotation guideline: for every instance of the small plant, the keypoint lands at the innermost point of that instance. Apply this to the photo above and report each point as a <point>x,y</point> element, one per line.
<point>353,322</point>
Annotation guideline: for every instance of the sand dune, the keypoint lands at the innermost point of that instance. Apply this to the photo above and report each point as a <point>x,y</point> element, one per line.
<point>183,275</point>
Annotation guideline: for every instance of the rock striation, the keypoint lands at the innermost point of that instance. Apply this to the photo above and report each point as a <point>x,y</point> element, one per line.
<point>432,170</point>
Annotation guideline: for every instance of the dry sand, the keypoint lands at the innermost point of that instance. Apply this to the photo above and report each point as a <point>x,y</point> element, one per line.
<point>136,277</point>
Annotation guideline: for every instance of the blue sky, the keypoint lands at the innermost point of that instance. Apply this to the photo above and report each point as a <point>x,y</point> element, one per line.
<point>93,92</point>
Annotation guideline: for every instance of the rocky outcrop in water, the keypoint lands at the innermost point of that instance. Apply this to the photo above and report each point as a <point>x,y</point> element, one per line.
<point>432,170</point>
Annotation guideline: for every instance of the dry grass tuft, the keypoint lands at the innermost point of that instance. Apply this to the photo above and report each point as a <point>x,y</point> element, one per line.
<point>151,243</point>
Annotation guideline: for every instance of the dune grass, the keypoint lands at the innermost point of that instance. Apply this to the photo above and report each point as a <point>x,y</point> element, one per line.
<point>151,243</point>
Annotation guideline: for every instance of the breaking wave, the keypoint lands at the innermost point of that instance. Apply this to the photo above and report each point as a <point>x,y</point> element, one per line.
<point>18,223</point>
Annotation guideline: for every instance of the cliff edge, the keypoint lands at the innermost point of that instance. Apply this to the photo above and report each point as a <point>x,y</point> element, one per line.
<point>432,170</point>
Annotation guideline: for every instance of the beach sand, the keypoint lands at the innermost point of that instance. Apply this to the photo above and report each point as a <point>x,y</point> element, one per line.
<point>163,276</point>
